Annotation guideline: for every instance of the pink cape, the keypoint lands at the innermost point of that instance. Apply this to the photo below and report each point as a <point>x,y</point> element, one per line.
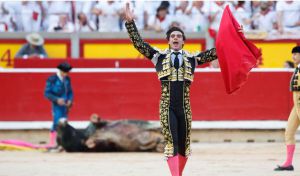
<point>21,143</point>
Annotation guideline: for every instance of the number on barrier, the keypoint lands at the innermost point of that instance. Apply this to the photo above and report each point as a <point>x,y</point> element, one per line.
<point>6,58</point>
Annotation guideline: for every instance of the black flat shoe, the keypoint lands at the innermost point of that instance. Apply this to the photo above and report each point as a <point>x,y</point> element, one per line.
<point>282,168</point>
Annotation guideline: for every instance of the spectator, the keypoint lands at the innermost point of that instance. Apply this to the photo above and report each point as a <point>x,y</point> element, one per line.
<point>63,25</point>
<point>152,7</point>
<point>140,14</point>
<point>271,5</point>
<point>86,8</point>
<point>242,16</point>
<point>161,21</point>
<point>31,16</point>
<point>216,10</point>
<point>14,8</point>
<point>83,24</point>
<point>33,48</point>
<point>174,24</point>
<point>265,20</point>
<point>255,7</point>
<point>289,64</point>
<point>109,13</point>
<point>7,22</point>
<point>54,10</point>
<point>41,6</point>
<point>198,15</point>
<point>288,16</point>
<point>181,16</point>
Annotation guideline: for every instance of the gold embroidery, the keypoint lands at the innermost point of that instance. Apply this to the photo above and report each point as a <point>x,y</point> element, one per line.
<point>166,63</point>
<point>164,118</point>
<point>188,75</point>
<point>207,56</point>
<point>188,117</point>
<point>143,47</point>
<point>184,73</point>
<point>295,82</point>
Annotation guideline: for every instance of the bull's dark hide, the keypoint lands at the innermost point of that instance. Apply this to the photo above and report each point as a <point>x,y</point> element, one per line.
<point>102,136</point>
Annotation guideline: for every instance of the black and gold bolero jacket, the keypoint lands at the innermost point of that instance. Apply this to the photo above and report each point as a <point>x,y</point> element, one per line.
<point>162,59</point>
<point>295,82</point>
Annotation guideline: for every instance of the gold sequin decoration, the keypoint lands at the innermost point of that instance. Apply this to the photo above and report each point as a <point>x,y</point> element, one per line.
<point>188,117</point>
<point>207,56</point>
<point>164,118</point>
<point>143,47</point>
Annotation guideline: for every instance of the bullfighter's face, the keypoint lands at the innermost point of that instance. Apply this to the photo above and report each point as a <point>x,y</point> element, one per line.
<point>176,41</point>
<point>296,58</point>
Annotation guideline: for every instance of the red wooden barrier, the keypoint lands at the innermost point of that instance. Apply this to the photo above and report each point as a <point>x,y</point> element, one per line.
<point>135,95</point>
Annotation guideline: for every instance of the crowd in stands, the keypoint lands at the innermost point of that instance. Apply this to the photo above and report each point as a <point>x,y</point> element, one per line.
<point>107,16</point>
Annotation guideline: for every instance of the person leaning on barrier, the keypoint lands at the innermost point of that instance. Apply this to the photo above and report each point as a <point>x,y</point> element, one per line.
<point>33,48</point>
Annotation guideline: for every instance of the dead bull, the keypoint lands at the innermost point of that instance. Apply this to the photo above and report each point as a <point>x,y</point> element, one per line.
<point>103,136</point>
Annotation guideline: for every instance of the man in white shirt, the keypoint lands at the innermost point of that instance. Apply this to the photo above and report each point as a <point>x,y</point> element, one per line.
<point>288,16</point>
<point>53,11</point>
<point>265,19</point>
<point>7,21</point>
<point>181,16</point>
<point>140,13</point>
<point>109,13</point>
<point>83,24</point>
<point>198,13</point>
<point>63,25</point>
<point>242,16</point>
<point>31,16</point>
<point>216,9</point>
<point>161,21</point>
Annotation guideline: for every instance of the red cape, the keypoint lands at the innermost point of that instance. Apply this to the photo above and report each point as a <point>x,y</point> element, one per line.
<point>237,56</point>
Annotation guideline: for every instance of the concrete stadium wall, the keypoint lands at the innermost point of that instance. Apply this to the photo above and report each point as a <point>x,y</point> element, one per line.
<point>124,93</point>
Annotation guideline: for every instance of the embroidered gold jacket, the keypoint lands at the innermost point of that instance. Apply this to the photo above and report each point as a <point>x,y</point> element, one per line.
<point>162,59</point>
<point>295,82</point>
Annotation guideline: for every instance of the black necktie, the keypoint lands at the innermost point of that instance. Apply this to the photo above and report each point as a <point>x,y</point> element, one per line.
<point>176,60</point>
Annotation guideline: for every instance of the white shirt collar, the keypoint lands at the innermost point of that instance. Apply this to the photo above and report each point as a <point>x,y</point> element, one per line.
<point>59,75</point>
<point>180,51</point>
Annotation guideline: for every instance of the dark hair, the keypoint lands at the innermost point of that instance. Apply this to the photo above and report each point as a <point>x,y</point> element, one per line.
<point>165,4</point>
<point>240,3</point>
<point>172,29</point>
<point>290,63</point>
<point>296,49</point>
<point>161,8</point>
<point>79,18</point>
<point>64,66</point>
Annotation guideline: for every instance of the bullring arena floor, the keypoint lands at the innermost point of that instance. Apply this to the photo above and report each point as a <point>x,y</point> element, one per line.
<point>208,159</point>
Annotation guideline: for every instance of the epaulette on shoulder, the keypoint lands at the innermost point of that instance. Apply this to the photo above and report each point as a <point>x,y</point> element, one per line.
<point>165,51</point>
<point>188,54</point>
